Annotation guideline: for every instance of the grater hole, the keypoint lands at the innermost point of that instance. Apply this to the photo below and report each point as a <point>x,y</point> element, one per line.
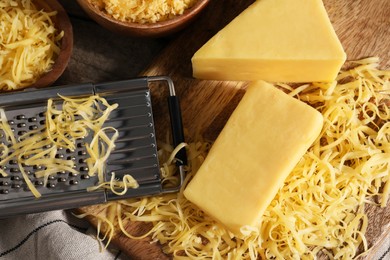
<point>4,191</point>
<point>72,158</point>
<point>11,122</point>
<point>41,114</point>
<point>14,170</point>
<point>85,176</point>
<point>13,162</point>
<point>38,183</point>
<point>22,132</point>
<point>20,125</point>
<point>33,127</point>
<point>32,119</point>
<point>72,174</point>
<point>62,179</point>
<point>16,186</point>
<point>4,183</point>
<point>59,156</point>
<point>15,178</point>
<point>51,185</point>
<point>83,169</point>
<point>42,122</point>
<point>73,182</point>
<point>81,160</point>
<point>37,167</point>
<point>20,117</point>
<point>82,153</point>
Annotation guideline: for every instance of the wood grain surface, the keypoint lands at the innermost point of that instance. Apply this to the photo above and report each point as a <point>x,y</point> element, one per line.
<point>364,29</point>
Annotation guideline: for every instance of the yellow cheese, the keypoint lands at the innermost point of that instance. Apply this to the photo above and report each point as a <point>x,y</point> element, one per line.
<point>141,11</point>
<point>276,41</point>
<point>29,43</point>
<point>262,141</point>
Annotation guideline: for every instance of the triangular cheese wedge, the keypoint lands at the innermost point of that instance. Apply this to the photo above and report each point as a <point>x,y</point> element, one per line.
<point>274,40</point>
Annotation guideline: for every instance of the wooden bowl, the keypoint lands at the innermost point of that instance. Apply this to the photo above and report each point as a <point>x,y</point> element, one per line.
<point>152,30</point>
<point>62,23</point>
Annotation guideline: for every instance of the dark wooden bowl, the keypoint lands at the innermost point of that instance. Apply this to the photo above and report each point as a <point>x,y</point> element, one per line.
<point>62,23</point>
<point>152,30</point>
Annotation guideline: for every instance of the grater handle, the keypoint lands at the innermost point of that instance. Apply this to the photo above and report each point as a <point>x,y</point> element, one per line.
<point>177,128</point>
<point>175,118</point>
<point>177,138</point>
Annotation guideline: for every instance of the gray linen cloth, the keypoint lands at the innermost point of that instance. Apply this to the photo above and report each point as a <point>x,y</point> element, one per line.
<point>52,235</point>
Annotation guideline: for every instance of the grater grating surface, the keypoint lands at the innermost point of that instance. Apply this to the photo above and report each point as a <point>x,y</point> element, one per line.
<point>135,150</point>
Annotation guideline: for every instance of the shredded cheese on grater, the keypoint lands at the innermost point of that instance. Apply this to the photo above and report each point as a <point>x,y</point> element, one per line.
<point>67,121</point>
<point>141,11</point>
<point>29,43</point>
<point>319,210</point>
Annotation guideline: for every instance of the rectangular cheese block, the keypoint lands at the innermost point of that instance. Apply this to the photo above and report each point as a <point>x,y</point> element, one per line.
<point>275,41</point>
<point>262,141</point>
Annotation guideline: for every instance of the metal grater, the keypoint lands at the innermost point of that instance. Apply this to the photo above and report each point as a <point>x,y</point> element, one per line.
<point>135,152</point>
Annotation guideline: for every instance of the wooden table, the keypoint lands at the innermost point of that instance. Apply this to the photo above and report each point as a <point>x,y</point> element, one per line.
<point>99,55</point>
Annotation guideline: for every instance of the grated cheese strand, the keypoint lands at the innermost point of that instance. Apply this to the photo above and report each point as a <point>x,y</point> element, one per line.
<point>127,182</point>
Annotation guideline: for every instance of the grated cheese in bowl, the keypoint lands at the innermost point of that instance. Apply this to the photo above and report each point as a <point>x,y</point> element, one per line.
<point>29,43</point>
<point>143,11</point>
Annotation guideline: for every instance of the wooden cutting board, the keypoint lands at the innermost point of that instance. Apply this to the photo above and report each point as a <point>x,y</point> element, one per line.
<point>364,29</point>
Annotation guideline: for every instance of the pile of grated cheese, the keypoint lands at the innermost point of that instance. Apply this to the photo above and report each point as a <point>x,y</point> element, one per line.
<point>143,11</point>
<point>320,208</point>
<point>29,43</point>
